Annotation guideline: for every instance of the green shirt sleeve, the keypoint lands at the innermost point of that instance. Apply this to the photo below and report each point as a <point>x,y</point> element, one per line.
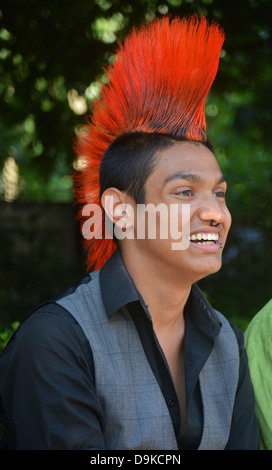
<point>258,343</point>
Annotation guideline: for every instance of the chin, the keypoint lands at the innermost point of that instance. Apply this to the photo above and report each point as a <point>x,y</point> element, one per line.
<point>211,270</point>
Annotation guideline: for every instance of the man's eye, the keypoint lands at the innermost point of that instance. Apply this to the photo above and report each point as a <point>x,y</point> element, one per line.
<point>187,192</point>
<point>220,194</point>
<point>184,192</point>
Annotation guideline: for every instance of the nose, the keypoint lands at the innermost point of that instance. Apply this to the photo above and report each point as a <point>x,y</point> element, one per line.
<point>212,211</point>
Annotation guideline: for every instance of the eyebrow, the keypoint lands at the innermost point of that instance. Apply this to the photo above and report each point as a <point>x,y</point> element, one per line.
<point>191,177</point>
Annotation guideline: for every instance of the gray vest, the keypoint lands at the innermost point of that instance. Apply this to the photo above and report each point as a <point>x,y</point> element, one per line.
<point>136,414</point>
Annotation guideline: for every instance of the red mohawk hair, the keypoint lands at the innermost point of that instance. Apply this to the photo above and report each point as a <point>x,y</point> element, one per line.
<point>158,83</point>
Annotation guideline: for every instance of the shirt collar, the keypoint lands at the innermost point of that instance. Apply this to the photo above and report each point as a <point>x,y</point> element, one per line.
<point>118,290</point>
<point>117,287</point>
<point>202,313</point>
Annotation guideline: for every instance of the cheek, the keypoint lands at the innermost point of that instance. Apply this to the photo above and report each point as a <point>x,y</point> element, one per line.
<point>228,221</point>
<point>186,214</point>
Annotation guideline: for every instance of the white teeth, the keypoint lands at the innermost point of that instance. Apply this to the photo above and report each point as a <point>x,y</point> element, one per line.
<point>205,236</point>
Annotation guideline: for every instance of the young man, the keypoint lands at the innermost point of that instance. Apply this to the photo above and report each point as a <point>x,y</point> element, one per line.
<point>134,357</point>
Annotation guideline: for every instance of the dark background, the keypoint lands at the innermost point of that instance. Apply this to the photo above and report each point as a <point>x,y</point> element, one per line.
<point>51,55</point>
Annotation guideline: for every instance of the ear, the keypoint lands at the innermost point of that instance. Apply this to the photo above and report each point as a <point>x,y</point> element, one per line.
<point>118,207</point>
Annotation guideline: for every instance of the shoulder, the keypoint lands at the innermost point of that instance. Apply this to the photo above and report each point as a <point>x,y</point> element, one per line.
<point>87,286</point>
<point>52,329</point>
<point>49,330</point>
<point>242,358</point>
<point>52,323</point>
<point>84,298</point>
<point>236,331</point>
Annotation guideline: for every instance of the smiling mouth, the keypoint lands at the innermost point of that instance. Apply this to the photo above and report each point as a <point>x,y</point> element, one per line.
<point>208,239</point>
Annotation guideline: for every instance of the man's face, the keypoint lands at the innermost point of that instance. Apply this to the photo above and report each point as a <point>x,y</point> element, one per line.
<point>188,173</point>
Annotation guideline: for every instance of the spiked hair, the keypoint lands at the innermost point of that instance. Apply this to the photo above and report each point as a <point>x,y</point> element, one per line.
<point>158,84</point>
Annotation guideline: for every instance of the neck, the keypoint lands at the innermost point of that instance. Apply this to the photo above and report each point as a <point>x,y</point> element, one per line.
<point>163,292</point>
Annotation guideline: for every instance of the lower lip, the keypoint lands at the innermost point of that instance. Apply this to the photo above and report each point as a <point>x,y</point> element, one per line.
<point>215,247</point>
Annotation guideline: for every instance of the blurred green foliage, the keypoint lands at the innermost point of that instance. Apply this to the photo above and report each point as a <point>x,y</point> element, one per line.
<point>6,333</point>
<point>51,57</point>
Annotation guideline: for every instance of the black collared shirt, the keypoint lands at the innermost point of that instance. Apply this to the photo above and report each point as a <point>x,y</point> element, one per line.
<point>47,379</point>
